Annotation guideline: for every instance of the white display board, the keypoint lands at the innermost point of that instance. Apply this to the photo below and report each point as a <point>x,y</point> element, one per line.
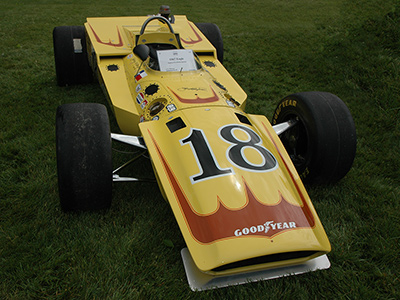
<point>176,60</point>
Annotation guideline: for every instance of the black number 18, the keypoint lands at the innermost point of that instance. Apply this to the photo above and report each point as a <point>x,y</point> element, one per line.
<point>207,163</point>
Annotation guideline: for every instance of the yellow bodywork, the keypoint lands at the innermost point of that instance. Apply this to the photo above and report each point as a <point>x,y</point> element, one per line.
<point>230,183</point>
<point>110,43</point>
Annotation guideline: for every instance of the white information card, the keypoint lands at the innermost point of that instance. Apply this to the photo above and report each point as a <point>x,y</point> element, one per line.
<point>176,60</point>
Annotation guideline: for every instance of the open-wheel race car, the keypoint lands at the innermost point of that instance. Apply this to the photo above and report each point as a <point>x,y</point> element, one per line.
<point>233,180</point>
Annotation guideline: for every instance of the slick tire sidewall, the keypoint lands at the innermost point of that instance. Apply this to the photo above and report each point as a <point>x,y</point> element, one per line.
<point>84,162</point>
<point>330,131</point>
<point>72,67</point>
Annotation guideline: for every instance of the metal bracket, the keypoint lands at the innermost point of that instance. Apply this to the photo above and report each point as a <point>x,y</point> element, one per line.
<point>132,140</point>
<point>135,141</point>
<point>282,127</point>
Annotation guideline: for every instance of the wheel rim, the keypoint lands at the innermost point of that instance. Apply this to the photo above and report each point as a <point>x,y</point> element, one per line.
<point>296,143</point>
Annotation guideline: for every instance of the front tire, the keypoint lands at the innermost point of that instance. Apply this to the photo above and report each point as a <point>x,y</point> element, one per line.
<point>84,161</point>
<point>322,144</point>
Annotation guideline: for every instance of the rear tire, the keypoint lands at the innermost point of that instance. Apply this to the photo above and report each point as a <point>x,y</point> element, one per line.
<point>322,145</point>
<point>213,34</point>
<point>70,53</point>
<point>84,161</point>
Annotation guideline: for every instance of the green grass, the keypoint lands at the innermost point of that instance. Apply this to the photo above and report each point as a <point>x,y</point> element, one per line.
<point>272,48</point>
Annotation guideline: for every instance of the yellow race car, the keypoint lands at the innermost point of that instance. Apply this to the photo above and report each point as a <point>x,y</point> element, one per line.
<point>234,181</point>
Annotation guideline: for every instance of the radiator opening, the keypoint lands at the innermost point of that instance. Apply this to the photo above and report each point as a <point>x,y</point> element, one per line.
<point>265,259</point>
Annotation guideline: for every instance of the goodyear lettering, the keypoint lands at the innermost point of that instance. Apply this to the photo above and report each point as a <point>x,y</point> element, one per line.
<point>286,103</point>
<point>266,227</point>
<point>305,173</point>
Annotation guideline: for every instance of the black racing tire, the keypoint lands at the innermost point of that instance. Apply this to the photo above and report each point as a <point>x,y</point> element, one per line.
<point>70,54</point>
<point>84,160</point>
<point>322,144</point>
<point>213,34</point>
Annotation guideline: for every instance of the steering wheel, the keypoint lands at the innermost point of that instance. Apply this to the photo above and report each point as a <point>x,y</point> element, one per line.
<point>162,19</point>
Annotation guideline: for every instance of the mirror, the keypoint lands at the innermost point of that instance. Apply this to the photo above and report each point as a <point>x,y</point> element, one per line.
<point>142,51</point>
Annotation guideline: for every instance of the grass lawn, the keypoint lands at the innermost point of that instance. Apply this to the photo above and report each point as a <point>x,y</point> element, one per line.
<point>272,48</point>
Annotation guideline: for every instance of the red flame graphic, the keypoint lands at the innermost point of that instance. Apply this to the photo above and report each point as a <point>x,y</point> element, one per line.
<point>191,41</point>
<point>119,44</point>
<point>197,100</point>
